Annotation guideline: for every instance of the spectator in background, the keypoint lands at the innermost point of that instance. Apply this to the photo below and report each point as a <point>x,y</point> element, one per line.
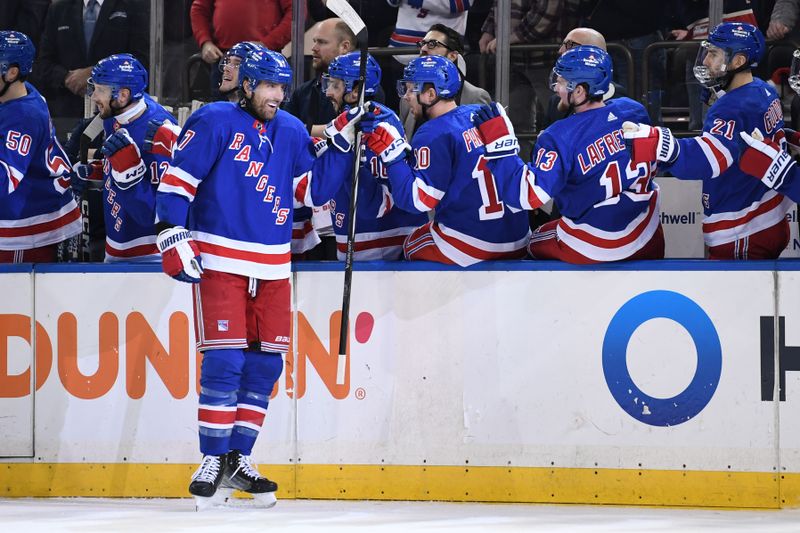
<point>26,16</point>
<point>783,19</point>
<point>444,41</point>
<point>79,33</point>
<point>532,22</point>
<point>377,15</point>
<point>636,25</point>
<point>332,38</point>
<point>219,24</point>
<point>579,36</point>
<point>414,18</point>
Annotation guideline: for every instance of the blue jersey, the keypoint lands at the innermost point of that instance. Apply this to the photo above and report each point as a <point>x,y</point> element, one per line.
<point>130,214</point>
<point>37,207</point>
<point>449,174</point>
<point>735,205</point>
<point>232,182</point>
<point>609,206</point>
<point>380,228</point>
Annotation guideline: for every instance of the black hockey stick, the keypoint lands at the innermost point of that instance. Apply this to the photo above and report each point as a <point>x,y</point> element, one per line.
<point>90,133</point>
<point>345,12</point>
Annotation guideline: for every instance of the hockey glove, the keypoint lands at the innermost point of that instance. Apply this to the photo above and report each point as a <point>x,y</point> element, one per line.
<point>342,130</point>
<point>160,137</point>
<point>764,159</point>
<point>180,257</point>
<point>649,143</point>
<point>792,139</point>
<point>127,167</point>
<point>496,130</point>
<point>389,143</point>
<point>374,115</point>
<point>86,176</point>
<point>318,146</point>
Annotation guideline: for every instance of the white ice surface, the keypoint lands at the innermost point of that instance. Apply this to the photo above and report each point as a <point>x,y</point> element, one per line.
<point>160,515</point>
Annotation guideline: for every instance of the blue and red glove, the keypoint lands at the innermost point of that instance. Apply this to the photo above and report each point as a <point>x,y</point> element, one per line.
<point>86,176</point>
<point>127,167</point>
<point>496,131</point>
<point>650,143</point>
<point>342,130</point>
<point>388,142</point>
<point>376,113</point>
<point>764,159</point>
<point>180,256</point>
<point>160,137</point>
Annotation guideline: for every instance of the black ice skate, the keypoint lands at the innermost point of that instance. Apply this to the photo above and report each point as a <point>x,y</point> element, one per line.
<point>241,474</point>
<point>206,481</point>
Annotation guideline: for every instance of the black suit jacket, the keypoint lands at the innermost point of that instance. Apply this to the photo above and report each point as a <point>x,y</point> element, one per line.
<point>26,16</point>
<point>122,26</point>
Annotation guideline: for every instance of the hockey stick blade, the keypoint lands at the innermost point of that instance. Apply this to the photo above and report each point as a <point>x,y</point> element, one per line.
<point>346,12</point>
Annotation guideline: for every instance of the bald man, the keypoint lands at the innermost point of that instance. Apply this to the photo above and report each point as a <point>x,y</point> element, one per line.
<point>579,36</point>
<point>331,37</point>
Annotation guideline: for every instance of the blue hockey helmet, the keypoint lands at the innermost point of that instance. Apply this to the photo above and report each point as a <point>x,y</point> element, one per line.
<point>265,65</point>
<point>436,70</point>
<point>724,42</point>
<point>346,68</point>
<point>239,50</point>
<point>119,71</point>
<point>587,65</point>
<point>17,49</point>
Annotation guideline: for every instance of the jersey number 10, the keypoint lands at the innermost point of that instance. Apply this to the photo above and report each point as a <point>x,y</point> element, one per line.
<point>491,206</point>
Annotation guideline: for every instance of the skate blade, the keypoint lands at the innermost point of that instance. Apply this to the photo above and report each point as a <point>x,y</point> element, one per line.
<point>219,498</point>
<point>263,500</point>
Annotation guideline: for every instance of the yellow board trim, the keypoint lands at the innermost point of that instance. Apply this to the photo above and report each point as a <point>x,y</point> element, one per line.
<point>441,483</point>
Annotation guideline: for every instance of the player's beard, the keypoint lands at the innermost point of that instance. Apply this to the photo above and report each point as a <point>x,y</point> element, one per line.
<point>337,106</point>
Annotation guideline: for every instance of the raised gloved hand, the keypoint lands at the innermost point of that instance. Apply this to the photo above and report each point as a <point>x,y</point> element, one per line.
<point>342,130</point>
<point>180,256</point>
<point>374,114</point>
<point>496,131</point>
<point>86,176</point>
<point>388,142</point>
<point>650,143</point>
<point>127,167</point>
<point>764,159</point>
<point>160,137</point>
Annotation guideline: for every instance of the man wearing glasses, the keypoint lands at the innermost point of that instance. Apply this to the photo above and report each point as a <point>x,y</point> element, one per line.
<point>556,109</point>
<point>446,42</point>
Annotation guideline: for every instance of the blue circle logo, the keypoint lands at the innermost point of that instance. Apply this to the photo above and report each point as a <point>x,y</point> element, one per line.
<point>687,404</point>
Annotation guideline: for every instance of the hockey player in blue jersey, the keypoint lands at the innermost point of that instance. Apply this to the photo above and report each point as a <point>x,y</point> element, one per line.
<point>767,160</point>
<point>744,219</point>
<point>131,173</point>
<point>229,67</point>
<point>446,173</point>
<point>225,208</point>
<point>380,229</point>
<point>609,206</point>
<point>37,210</point>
